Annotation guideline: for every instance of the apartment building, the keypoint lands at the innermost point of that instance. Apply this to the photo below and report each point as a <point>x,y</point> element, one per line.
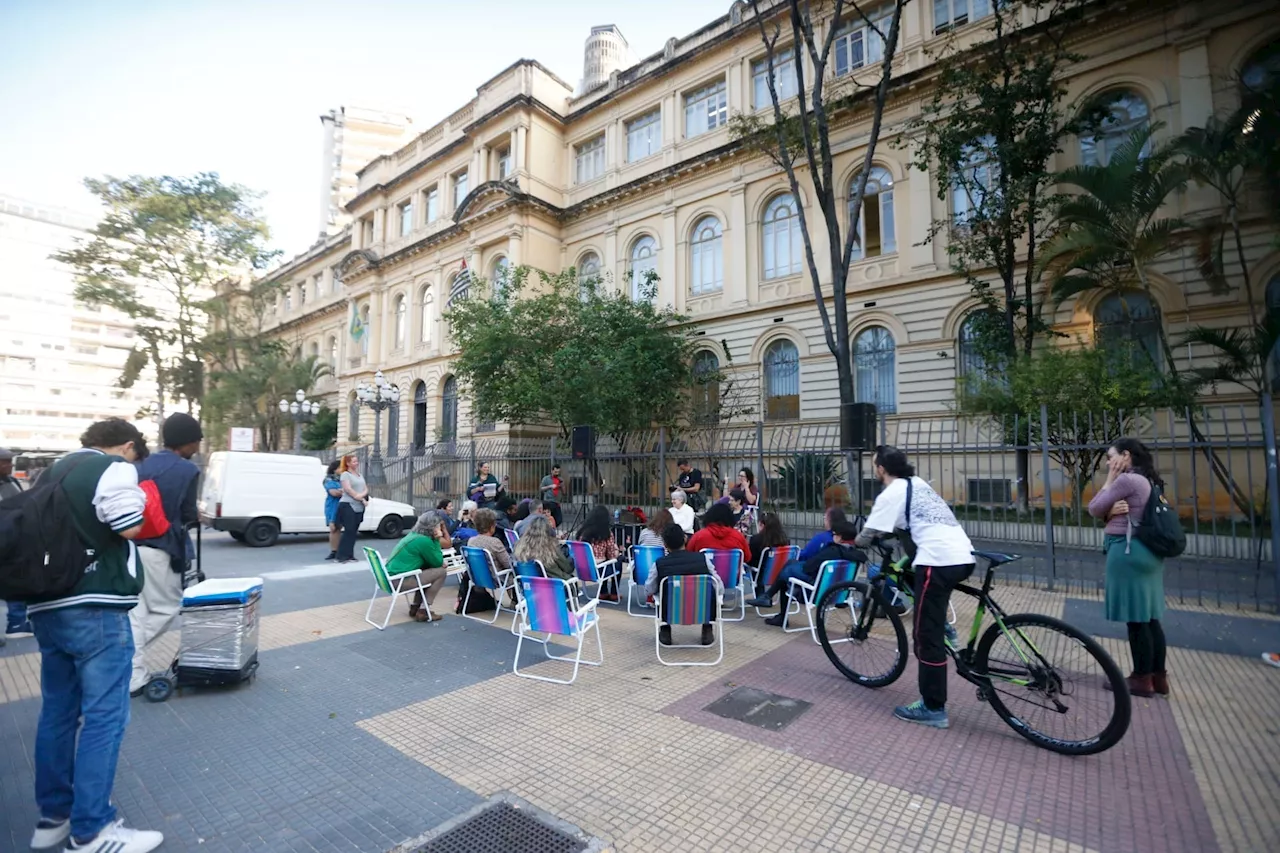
<point>59,359</point>
<point>641,173</point>
<point>353,136</point>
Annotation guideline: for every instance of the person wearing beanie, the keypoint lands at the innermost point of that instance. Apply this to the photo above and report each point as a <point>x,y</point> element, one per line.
<point>166,558</point>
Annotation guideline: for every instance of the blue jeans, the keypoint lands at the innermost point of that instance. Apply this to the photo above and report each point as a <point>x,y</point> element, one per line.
<point>17,615</point>
<point>86,656</point>
<point>794,569</point>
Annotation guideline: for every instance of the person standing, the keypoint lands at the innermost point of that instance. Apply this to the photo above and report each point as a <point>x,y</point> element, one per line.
<point>943,559</point>
<point>17,626</point>
<point>332,497</point>
<point>485,488</point>
<point>552,486</point>
<point>1135,576</point>
<point>86,650</point>
<point>690,482</point>
<point>165,559</point>
<point>355,496</point>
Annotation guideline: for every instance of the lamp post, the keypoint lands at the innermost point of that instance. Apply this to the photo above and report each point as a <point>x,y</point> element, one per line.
<point>303,411</point>
<point>379,396</point>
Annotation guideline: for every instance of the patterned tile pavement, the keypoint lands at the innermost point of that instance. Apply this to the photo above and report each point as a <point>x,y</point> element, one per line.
<point>351,739</point>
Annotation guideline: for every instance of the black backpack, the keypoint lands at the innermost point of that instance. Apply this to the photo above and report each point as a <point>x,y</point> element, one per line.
<point>42,556</point>
<point>1160,529</point>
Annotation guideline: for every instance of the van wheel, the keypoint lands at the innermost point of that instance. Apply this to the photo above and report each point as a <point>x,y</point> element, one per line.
<point>237,535</point>
<point>391,527</point>
<point>261,532</point>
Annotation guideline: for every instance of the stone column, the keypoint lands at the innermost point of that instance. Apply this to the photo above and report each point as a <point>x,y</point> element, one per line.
<point>918,253</point>
<point>610,260</point>
<point>667,268</point>
<point>735,248</point>
<point>380,225</point>
<point>1195,107</point>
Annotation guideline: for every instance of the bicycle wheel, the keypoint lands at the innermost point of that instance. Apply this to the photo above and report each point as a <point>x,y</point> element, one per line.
<point>1048,682</point>
<point>863,638</point>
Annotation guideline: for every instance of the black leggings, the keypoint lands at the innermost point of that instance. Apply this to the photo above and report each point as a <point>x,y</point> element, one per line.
<point>350,521</point>
<point>1146,642</point>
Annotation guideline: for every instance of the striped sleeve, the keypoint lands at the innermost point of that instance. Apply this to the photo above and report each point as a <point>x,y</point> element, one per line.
<point>118,499</point>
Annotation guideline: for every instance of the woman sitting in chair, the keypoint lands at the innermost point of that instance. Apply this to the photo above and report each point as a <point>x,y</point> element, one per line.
<point>677,561</point>
<point>540,543</point>
<point>652,535</point>
<point>421,550</point>
<point>486,521</point>
<point>597,532</point>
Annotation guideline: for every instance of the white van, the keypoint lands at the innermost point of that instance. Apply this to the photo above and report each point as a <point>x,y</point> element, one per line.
<point>257,496</point>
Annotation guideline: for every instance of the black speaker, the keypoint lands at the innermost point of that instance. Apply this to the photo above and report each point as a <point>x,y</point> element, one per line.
<point>860,425</point>
<point>583,443</point>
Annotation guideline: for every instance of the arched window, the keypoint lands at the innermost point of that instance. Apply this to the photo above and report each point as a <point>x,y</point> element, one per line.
<point>873,369</point>
<point>315,351</point>
<point>353,418</point>
<point>393,429</point>
<point>1116,114</point>
<point>972,363</point>
<point>401,320</point>
<point>1128,325</point>
<point>333,354</point>
<point>644,258</point>
<point>419,416</point>
<point>367,332</point>
<point>974,179</point>
<point>426,307</point>
<point>781,381</point>
<point>708,257</point>
<point>783,250</point>
<point>500,278</point>
<point>449,410</point>
<point>876,234</point>
<point>588,273</point>
<point>1273,315</point>
<point>1262,71</point>
<point>706,387</point>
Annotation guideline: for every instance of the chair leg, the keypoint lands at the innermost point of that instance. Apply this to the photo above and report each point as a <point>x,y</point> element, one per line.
<point>796,604</point>
<point>369,609</point>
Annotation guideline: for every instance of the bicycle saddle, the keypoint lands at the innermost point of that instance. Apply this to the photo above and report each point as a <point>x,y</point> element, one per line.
<point>995,558</point>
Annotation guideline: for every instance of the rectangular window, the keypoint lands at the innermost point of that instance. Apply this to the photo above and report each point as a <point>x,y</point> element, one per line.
<point>588,160</point>
<point>459,189</point>
<point>784,78</point>
<point>858,44</point>
<point>705,109</point>
<point>949,14</point>
<point>644,136</point>
<point>504,163</point>
<point>987,491</point>
<point>433,203</point>
<point>406,218</point>
<point>316,287</point>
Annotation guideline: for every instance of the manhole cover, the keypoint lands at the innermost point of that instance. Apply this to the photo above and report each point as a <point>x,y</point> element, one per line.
<point>759,708</point>
<point>504,824</point>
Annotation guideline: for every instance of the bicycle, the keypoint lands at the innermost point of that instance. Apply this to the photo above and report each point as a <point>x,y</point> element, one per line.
<point>1055,668</point>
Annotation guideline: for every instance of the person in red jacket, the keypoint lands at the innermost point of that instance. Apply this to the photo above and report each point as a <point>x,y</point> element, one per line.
<point>718,532</point>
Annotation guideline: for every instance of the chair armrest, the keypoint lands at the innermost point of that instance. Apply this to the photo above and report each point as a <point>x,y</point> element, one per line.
<point>589,606</point>
<point>800,582</point>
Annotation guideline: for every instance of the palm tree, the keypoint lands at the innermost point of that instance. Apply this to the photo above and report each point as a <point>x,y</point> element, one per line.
<point>1242,355</point>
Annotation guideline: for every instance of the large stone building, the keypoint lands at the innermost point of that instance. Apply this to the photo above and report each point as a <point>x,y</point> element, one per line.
<point>641,173</point>
<point>60,360</point>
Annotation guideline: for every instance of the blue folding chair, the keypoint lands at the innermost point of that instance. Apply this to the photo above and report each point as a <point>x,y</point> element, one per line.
<point>643,565</point>
<point>809,594</point>
<point>547,611</point>
<point>689,600</point>
<point>485,573</point>
<point>727,563</point>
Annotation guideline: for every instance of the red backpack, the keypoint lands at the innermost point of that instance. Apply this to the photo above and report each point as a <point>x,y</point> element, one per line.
<point>154,522</point>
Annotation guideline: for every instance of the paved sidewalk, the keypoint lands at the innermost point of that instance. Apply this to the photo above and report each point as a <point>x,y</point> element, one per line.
<point>353,739</point>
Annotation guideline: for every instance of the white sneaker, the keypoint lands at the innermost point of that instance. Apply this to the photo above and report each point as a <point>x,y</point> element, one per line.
<point>50,833</point>
<point>1271,658</point>
<point>118,838</point>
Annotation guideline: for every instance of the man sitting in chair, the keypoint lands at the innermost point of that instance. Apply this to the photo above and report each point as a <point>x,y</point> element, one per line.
<point>841,548</point>
<point>677,561</point>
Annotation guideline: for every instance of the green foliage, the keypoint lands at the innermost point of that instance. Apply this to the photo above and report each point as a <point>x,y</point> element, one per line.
<point>322,433</point>
<point>160,250</point>
<point>570,352</point>
<point>1001,104</point>
<point>1241,356</point>
<point>803,479</point>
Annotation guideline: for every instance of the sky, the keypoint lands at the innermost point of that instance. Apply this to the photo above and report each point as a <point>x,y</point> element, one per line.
<point>119,87</point>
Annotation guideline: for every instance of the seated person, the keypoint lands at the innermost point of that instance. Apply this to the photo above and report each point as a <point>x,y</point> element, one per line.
<point>466,527</point>
<point>539,542</point>
<point>823,539</point>
<point>770,535</point>
<point>597,531</point>
<point>840,548</point>
<point>422,550</point>
<point>681,512</point>
<point>718,532</point>
<point>677,561</point>
<point>507,510</point>
<point>529,510</point>
<point>486,538</point>
<point>652,534</point>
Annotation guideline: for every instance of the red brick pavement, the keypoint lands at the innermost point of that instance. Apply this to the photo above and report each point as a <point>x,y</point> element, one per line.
<point>1139,796</point>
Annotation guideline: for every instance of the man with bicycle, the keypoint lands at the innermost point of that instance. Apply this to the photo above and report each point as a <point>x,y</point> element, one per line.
<point>942,557</point>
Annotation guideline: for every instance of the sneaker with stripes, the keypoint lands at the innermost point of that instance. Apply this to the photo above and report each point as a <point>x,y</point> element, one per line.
<point>118,838</point>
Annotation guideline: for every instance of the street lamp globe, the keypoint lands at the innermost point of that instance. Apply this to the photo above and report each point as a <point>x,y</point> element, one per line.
<point>284,407</point>
<point>379,379</point>
<point>300,395</point>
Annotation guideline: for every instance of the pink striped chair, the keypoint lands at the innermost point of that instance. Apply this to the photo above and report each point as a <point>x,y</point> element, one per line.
<point>546,610</point>
<point>588,570</point>
<point>772,561</point>
<point>728,565</point>
<point>689,600</point>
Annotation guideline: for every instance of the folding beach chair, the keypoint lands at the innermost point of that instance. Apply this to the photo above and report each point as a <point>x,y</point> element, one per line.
<point>588,570</point>
<point>397,585</point>
<point>809,594</point>
<point>689,600</point>
<point>511,538</point>
<point>727,563</point>
<point>484,573</point>
<point>546,610</point>
<point>643,559</point>
<point>772,562</point>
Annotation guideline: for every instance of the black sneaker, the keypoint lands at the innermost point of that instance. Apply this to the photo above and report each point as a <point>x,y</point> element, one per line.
<point>708,635</point>
<point>775,621</point>
<point>333,555</point>
<point>664,635</point>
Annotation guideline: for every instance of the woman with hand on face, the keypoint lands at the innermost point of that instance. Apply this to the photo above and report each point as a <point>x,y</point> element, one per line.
<point>1135,576</point>
<point>355,497</point>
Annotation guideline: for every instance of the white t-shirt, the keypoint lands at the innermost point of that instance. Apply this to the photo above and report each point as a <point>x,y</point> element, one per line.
<point>683,517</point>
<point>939,538</point>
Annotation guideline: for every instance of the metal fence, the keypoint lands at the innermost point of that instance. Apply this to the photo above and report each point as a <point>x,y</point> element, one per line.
<point>1022,484</point>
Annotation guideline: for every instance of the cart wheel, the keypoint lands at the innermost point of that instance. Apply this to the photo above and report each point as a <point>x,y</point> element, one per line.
<point>158,689</point>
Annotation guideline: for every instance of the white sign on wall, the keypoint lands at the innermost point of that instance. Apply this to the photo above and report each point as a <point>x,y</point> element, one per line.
<point>242,438</point>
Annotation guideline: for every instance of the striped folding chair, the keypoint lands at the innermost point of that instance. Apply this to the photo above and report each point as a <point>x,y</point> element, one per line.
<point>586,567</point>
<point>397,585</point>
<point>809,594</point>
<point>643,558</point>
<point>484,573</point>
<point>727,563</point>
<point>547,611</point>
<point>689,600</point>
<point>454,563</point>
<point>511,538</point>
<point>772,562</point>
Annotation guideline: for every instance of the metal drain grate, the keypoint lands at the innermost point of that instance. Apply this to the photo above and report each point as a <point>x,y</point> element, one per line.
<point>759,708</point>
<point>504,824</point>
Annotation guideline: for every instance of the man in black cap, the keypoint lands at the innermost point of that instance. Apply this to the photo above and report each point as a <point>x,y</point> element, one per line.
<point>165,558</point>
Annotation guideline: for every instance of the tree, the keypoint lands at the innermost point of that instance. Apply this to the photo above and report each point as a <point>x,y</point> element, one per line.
<point>799,139</point>
<point>157,255</point>
<point>565,353</point>
<point>322,433</point>
<point>720,399</point>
